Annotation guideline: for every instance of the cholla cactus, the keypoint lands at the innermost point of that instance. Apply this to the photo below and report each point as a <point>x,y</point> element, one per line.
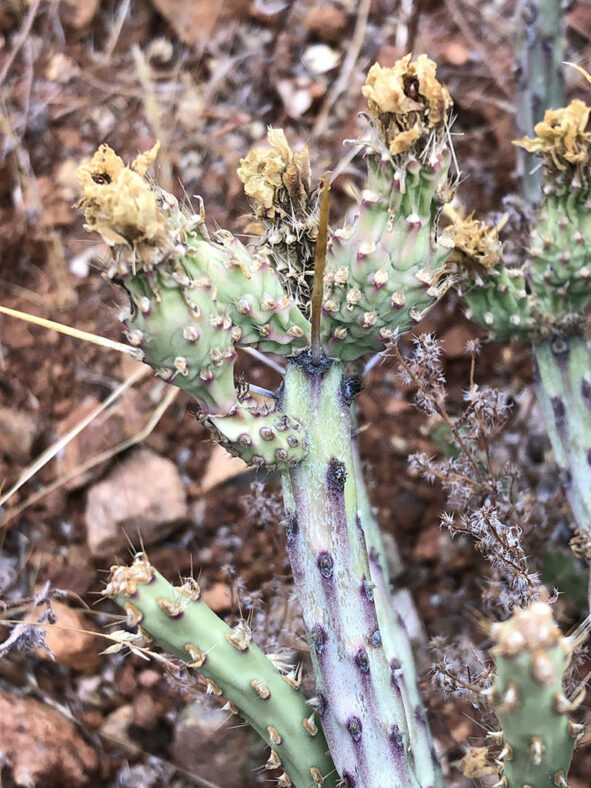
<point>546,300</point>
<point>196,300</point>
<point>537,737</point>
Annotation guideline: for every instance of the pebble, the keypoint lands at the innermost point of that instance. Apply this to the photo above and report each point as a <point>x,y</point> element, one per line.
<point>143,498</point>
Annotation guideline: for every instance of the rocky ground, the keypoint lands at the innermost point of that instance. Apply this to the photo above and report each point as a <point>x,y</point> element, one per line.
<point>206,78</point>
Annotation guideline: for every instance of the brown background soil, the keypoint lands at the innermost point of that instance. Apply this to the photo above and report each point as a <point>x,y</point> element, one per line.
<point>206,78</point>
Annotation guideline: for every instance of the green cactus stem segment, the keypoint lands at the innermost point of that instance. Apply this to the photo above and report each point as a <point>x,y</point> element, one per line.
<point>538,738</point>
<point>181,623</point>
<point>563,386</point>
<point>539,53</point>
<point>387,268</point>
<point>359,698</point>
<point>395,636</point>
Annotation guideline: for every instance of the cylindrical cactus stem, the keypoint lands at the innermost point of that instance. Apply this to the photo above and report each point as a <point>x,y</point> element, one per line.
<point>563,387</point>
<point>397,645</point>
<point>387,267</point>
<point>540,86</point>
<point>177,620</point>
<point>537,737</point>
<point>359,697</point>
<point>395,635</point>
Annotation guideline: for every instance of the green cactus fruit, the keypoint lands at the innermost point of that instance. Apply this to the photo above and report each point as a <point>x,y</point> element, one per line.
<point>185,334</point>
<point>260,435</point>
<point>267,317</point>
<point>177,620</point>
<point>157,247</point>
<point>537,737</point>
<point>496,295</point>
<point>387,268</point>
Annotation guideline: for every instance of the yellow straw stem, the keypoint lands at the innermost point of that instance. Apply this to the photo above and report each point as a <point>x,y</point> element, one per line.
<point>73,332</point>
<point>319,266</point>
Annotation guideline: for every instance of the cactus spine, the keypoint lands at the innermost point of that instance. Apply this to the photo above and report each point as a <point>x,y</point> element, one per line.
<point>179,621</point>
<point>537,737</point>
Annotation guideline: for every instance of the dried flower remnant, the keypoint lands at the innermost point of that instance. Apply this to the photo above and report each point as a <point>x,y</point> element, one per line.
<point>476,244</point>
<point>120,204</point>
<point>276,179</point>
<point>561,138</point>
<point>476,764</point>
<point>279,185</point>
<point>407,102</point>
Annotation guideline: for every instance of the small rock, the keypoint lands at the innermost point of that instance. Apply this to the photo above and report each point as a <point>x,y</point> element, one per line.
<point>202,740</point>
<point>41,747</point>
<point>17,432</point>
<point>218,597</point>
<point>115,728</point>
<point>69,639</point>
<point>220,467</point>
<point>320,58</point>
<point>143,497</point>
<point>102,434</point>
<point>326,22</point>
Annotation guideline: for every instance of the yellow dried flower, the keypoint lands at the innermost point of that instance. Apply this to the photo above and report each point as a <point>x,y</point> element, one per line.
<point>475,763</point>
<point>476,243</point>
<point>561,138</point>
<point>118,202</point>
<point>267,173</point>
<point>406,100</point>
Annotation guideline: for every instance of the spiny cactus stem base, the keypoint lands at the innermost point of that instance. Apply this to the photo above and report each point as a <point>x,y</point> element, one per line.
<point>563,386</point>
<point>359,695</point>
<point>181,623</point>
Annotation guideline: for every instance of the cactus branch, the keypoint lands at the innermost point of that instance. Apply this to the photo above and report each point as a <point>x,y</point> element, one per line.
<point>563,386</point>
<point>537,736</point>
<point>539,53</point>
<point>180,622</point>
<point>360,700</point>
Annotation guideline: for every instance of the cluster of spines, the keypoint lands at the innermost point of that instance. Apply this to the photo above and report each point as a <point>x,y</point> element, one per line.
<point>537,738</point>
<point>178,620</point>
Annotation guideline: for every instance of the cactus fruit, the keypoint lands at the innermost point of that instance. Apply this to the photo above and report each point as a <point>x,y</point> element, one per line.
<point>388,266</point>
<point>179,621</point>
<point>537,737</point>
<point>194,302</point>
